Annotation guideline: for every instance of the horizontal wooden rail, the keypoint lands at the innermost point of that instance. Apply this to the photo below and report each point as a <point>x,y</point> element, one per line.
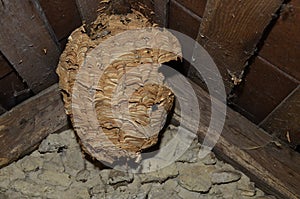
<point>25,126</point>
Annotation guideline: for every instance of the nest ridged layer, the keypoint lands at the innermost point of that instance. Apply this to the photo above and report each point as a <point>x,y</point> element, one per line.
<point>130,99</point>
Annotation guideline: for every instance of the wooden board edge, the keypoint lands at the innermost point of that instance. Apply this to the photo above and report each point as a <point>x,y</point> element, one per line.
<point>25,126</point>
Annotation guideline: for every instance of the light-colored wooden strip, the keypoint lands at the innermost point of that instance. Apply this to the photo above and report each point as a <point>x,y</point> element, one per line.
<point>25,126</point>
<point>27,42</point>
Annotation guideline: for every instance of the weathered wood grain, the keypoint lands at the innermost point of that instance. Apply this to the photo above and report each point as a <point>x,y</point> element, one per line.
<point>62,15</point>
<point>27,42</point>
<point>183,20</point>
<point>284,121</point>
<point>282,45</point>
<point>230,31</point>
<point>23,128</point>
<point>273,167</point>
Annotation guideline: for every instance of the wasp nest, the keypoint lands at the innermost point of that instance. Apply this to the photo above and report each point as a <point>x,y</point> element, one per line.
<point>130,101</point>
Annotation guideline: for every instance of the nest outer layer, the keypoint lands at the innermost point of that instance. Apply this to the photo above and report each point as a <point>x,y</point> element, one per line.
<point>130,79</point>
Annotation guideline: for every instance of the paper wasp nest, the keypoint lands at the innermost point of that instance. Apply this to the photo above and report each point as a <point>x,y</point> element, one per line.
<point>123,83</point>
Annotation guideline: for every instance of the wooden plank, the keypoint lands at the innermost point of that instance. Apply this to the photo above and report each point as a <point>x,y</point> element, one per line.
<point>161,12</point>
<point>180,18</point>
<point>5,67</point>
<point>26,42</point>
<point>25,126</point>
<point>62,15</point>
<point>230,31</point>
<point>88,10</point>
<point>196,6</point>
<point>284,121</point>
<point>274,168</point>
<point>282,45</point>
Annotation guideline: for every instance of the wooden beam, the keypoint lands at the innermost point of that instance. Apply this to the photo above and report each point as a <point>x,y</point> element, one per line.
<point>27,42</point>
<point>196,6</point>
<point>161,12</point>
<point>62,15</point>
<point>180,18</point>
<point>88,10</point>
<point>230,31</point>
<point>25,126</point>
<point>274,167</point>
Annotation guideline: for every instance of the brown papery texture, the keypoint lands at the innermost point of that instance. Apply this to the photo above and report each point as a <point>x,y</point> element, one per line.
<point>148,104</point>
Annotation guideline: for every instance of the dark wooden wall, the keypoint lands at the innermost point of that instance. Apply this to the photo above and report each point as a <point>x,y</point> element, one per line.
<point>257,42</point>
